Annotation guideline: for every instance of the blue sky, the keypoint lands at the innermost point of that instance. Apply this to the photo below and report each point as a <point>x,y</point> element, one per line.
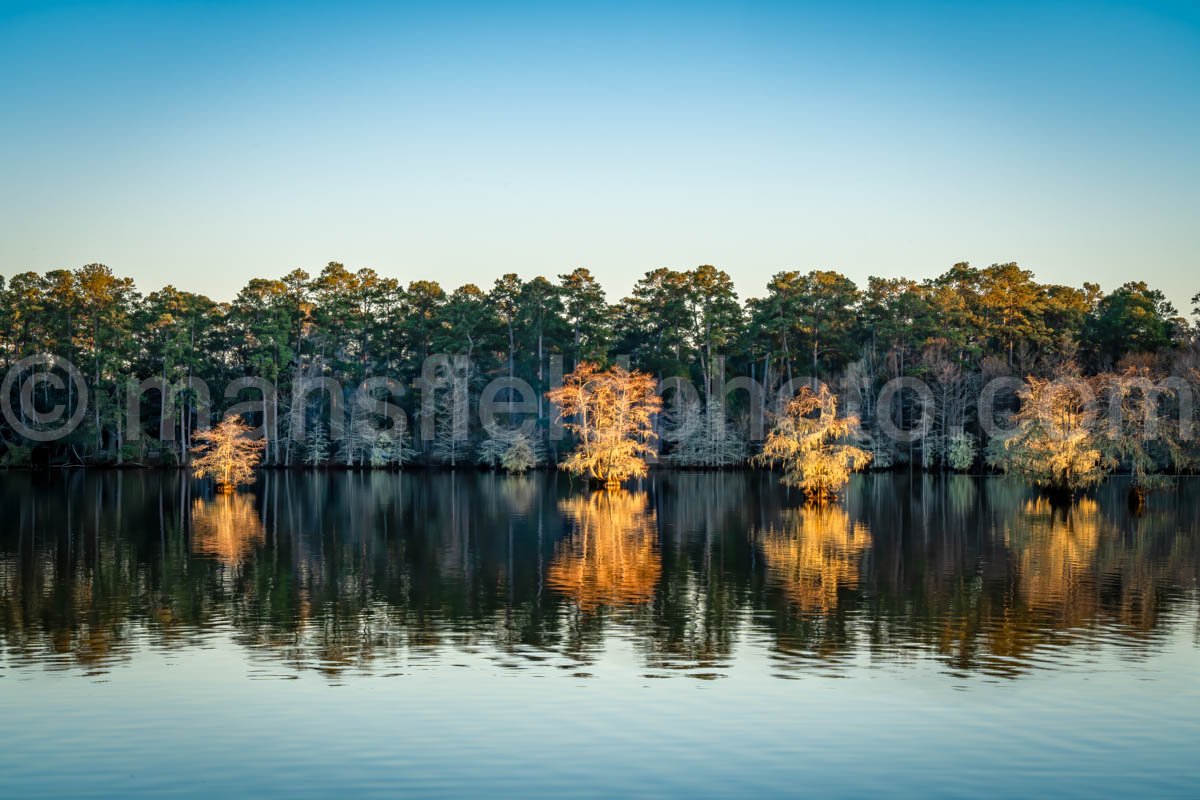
<point>202,143</point>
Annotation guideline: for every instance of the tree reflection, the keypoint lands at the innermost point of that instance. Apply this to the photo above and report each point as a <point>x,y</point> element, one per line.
<point>374,571</point>
<point>815,555</point>
<point>693,624</point>
<point>611,557</point>
<point>226,527</point>
<point>1055,549</point>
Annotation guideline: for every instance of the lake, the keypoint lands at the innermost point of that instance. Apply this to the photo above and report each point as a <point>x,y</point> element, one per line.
<point>445,634</point>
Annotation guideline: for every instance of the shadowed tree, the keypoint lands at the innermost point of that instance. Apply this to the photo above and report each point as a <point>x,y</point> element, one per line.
<point>715,317</point>
<point>505,300</point>
<point>1136,434</point>
<point>106,304</point>
<point>1131,319</point>
<point>542,329</point>
<point>266,318</point>
<point>421,320</point>
<point>898,319</point>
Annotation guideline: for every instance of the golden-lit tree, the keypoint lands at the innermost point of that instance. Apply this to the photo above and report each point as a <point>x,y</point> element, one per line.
<point>611,414</point>
<point>227,454</point>
<point>611,557</point>
<point>1055,445</point>
<point>810,441</point>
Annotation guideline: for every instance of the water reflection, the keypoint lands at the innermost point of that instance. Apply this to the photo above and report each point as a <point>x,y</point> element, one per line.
<point>226,527</point>
<point>1055,549</point>
<point>611,555</point>
<point>815,554</point>
<point>381,572</point>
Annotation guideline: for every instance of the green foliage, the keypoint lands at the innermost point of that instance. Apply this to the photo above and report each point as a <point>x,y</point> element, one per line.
<point>961,451</point>
<point>512,451</point>
<point>1134,318</point>
<point>807,319</point>
<point>587,316</point>
<point>953,331</point>
<point>16,456</point>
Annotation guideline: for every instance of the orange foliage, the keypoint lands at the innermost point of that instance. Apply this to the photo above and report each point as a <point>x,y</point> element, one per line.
<point>815,555</point>
<point>611,557</point>
<point>227,454</point>
<point>226,527</point>
<point>611,415</point>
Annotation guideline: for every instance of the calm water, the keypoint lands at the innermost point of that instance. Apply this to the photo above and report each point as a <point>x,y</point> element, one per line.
<point>702,634</point>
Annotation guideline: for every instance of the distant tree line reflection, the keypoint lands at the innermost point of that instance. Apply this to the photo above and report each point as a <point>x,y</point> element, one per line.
<point>359,571</point>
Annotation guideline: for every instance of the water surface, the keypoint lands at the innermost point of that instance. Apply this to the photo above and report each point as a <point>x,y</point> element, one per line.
<point>435,634</point>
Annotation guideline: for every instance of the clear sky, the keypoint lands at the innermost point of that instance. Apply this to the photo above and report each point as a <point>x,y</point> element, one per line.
<point>201,144</point>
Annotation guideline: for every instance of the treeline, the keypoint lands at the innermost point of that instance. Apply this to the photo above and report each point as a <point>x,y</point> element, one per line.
<point>953,332</point>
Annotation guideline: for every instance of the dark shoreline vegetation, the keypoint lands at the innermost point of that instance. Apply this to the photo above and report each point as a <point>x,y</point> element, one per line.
<point>955,333</point>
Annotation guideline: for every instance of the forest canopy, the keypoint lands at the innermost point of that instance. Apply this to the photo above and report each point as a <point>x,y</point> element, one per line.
<point>954,332</point>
